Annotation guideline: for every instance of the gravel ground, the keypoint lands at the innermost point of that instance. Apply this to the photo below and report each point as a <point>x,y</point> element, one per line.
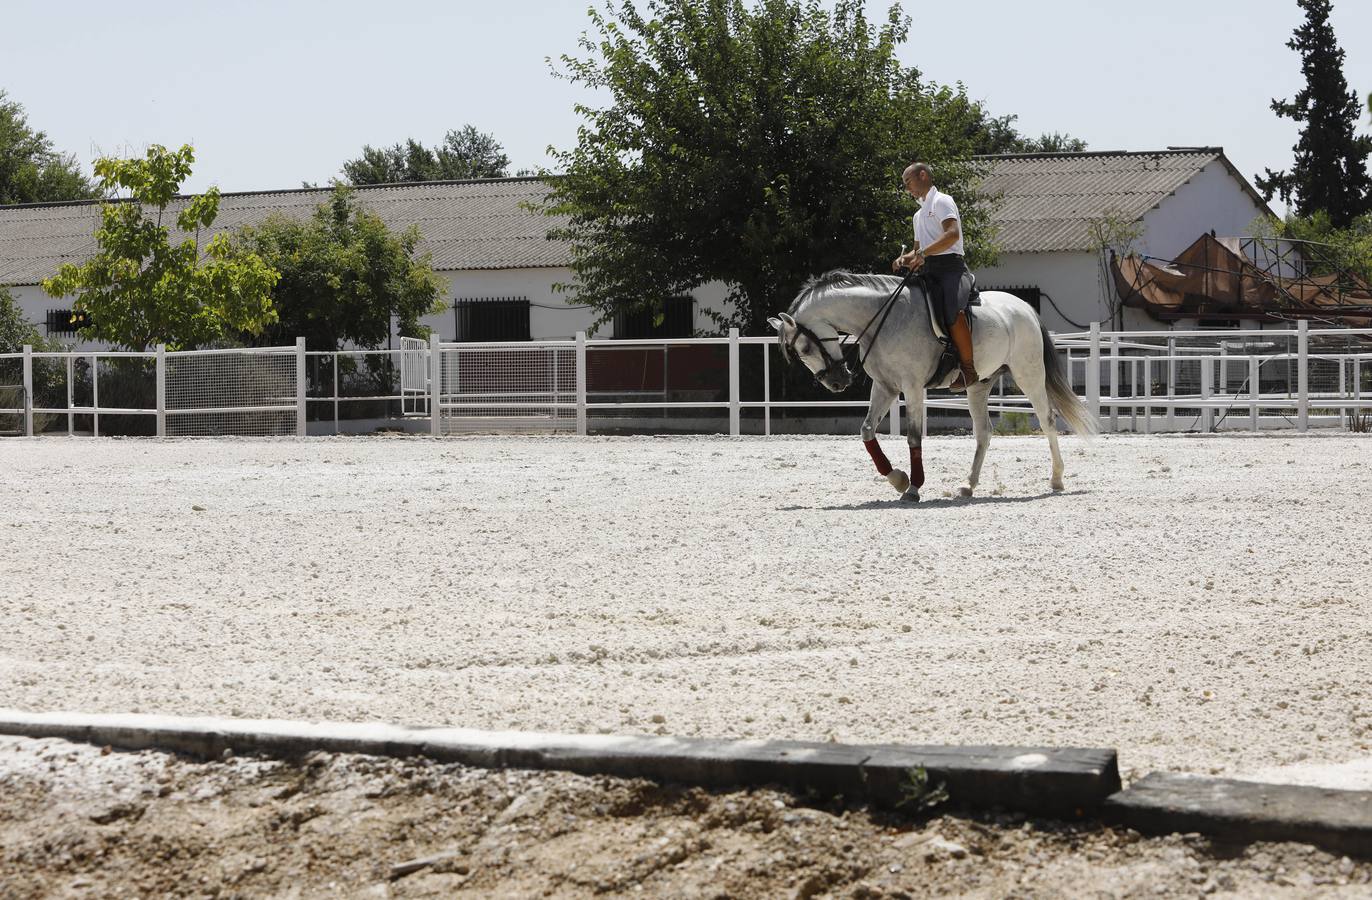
<point>1201,603</point>
<point>77,822</point>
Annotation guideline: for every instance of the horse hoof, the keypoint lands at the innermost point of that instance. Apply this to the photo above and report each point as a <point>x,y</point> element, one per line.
<point>964,491</point>
<point>910,496</point>
<point>1057,486</point>
<point>898,480</point>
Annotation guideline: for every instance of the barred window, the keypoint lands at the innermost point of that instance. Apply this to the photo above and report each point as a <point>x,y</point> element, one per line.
<point>678,321</point>
<point>482,319</point>
<point>66,321</point>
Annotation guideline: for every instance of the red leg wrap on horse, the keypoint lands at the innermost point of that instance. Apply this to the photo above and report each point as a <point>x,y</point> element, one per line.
<point>917,467</point>
<point>883,464</point>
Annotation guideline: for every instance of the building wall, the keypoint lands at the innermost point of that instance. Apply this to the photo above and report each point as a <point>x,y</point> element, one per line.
<point>552,315</point>
<point>1072,279</point>
<point>1211,201</point>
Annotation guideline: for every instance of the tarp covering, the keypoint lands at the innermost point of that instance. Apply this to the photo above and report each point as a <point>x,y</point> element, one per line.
<point>1211,280</point>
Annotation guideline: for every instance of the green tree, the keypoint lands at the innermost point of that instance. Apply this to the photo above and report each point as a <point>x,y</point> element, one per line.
<point>15,330</point>
<point>1330,169</point>
<point>998,134</point>
<point>31,171</point>
<point>1328,249</point>
<point>344,274</point>
<point>465,153</point>
<point>754,144</point>
<point>141,289</point>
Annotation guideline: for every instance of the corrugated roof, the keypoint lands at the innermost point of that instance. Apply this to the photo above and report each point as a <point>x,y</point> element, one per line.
<point>464,224</point>
<point>1047,201</point>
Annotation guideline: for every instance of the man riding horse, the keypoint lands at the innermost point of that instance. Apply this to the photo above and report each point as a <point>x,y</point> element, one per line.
<point>938,251</point>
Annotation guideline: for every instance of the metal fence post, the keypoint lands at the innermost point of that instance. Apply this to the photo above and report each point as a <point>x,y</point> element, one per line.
<point>895,416</point>
<point>1093,373</point>
<point>1207,374</point>
<point>71,416</point>
<point>435,380</point>
<point>1171,384</point>
<point>1148,395</point>
<point>1114,382</point>
<point>161,390</point>
<point>1303,375</point>
<point>95,394</point>
<point>300,381</point>
<point>1254,390</point>
<point>581,383</point>
<point>767,389</point>
<point>28,390</point>
<point>733,383</point>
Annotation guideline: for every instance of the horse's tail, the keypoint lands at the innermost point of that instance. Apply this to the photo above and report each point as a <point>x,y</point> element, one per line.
<point>1060,393</point>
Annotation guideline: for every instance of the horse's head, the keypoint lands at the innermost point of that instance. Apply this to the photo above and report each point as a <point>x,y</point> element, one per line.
<point>817,346</point>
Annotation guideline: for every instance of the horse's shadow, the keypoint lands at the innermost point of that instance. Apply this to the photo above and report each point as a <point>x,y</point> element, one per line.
<point>940,502</point>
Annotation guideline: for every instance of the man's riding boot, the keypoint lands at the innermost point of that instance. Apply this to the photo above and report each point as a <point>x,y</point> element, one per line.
<point>961,333</point>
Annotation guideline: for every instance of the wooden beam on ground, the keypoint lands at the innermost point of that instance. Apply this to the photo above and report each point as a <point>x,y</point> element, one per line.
<point>1064,783</point>
<point>1246,811</point>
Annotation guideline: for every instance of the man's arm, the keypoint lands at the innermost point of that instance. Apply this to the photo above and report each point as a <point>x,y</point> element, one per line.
<point>952,231</point>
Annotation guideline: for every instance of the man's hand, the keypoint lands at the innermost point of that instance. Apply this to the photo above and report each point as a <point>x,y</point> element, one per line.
<point>912,260</point>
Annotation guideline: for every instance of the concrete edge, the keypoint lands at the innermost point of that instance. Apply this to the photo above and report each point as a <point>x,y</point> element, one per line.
<point>1243,812</point>
<point>1060,783</point>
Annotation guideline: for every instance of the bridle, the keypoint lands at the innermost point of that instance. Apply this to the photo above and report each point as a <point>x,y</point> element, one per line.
<point>831,363</point>
<point>842,360</point>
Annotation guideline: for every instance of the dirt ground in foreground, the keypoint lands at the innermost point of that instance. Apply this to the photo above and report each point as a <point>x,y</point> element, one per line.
<point>79,821</point>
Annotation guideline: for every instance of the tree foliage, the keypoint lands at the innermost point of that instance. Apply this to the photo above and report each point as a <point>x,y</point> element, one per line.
<point>15,329</point>
<point>755,144</point>
<point>344,274</point>
<point>465,153</point>
<point>1336,250</point>
<point>1330,170</point>
<point>31,171</point>
<point>998,134</point>
<point>140,288</point>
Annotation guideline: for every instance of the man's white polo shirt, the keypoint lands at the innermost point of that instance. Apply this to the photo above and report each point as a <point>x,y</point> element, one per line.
<point>936,208</point>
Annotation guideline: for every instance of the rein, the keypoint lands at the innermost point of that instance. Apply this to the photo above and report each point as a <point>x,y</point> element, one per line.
<point>883,312</point>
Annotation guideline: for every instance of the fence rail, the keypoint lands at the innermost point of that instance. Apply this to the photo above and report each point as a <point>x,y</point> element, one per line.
<point>1139,381</point>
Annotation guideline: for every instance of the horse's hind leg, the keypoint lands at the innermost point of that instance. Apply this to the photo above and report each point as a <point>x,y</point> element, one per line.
<point>977,396</point>
<point>1038,396</point>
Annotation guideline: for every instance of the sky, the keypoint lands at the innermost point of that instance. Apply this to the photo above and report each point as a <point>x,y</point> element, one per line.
<point>273,94</point>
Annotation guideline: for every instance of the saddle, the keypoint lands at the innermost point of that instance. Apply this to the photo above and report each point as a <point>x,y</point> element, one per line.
<point>933,295</point>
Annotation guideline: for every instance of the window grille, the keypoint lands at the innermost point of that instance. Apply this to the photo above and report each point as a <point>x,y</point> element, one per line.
<point>482,319</point>
<point>66,321</point>
<point>678,321</point>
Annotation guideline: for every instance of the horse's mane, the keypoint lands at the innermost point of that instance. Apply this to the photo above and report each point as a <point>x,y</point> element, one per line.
<point>820,285</point>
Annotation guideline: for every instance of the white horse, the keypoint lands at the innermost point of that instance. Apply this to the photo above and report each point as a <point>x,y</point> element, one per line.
<point>900,352</point>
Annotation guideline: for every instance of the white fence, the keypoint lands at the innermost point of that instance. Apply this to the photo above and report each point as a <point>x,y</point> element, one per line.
<point>257,391</point>
<point>1135,381</point>
<point>1138,381</point>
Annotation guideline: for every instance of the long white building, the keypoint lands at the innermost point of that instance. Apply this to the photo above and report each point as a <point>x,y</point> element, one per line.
<point>500,269</point>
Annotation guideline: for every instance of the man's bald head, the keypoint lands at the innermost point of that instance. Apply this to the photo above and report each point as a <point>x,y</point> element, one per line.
<point>916,168</point>
<point>918,178</point>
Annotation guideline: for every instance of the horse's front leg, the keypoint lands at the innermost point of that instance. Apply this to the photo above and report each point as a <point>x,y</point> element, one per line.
<point>914,436</point>
<point>877,407</point>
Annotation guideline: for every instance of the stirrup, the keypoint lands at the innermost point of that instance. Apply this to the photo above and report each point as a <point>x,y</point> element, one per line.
<point>961,383</point>
<point>946,363</point>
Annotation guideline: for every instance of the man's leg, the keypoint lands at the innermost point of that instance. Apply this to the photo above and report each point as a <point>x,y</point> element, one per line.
<point>955,292</point>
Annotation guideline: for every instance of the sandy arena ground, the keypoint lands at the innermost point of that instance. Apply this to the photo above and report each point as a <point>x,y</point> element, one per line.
<point>1202,603</point>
